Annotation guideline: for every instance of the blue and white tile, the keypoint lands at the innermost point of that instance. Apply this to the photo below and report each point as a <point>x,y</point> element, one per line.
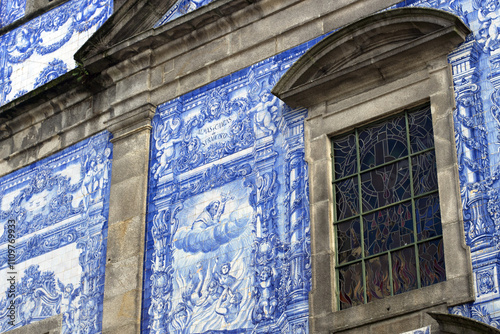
<point>43,48</point>
<point>180,8</point>
<point>60,208</point>
<point>477,135</point>
<point>11,10</point>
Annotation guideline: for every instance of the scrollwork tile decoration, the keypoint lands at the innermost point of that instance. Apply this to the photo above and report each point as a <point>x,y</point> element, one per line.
<point>43,48</point>
<point>55,69</point>
<point>228,224</point>
<point>53,217</point>
<point>11,10</point>
<point>485,282</point>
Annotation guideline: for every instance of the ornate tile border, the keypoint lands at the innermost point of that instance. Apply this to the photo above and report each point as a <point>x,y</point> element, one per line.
<point>53,243</point>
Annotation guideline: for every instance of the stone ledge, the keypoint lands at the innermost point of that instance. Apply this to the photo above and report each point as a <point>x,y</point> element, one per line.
<point>52,325</point>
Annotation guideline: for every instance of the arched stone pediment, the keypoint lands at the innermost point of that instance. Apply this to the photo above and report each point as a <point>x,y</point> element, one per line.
<point>369,52</point>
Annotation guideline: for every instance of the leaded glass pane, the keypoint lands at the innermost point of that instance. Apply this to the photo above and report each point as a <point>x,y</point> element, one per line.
<point>378,285</point>
<point>347,194</point>
<point>421,135</point>
<point>385,185</point>
<point>351,286</point>
<point>349,241</point>
<point>432,268</point>
<point>424,172</point>
<point>428,217</point>
<point>344,151</point>
<point>383,143</point>
<point>404,270</point>
<point>398,193</point>
<point>388,229</point>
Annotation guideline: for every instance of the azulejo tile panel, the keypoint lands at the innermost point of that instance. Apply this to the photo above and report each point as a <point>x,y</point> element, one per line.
<point>11,10</point>
<point>53,215</point>
<point>43,48</point>
<point>228,221</point>
<point>181,7</point>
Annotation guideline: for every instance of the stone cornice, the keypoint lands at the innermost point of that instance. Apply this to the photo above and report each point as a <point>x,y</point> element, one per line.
<point>107,47</point>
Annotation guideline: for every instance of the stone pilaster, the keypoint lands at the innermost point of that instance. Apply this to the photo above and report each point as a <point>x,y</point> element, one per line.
<point>127,221</point>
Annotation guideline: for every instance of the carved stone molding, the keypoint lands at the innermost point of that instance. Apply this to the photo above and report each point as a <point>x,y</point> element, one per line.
<point>131,122</point>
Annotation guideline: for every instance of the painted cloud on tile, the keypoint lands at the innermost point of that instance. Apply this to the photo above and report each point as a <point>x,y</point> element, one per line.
<point>53,214</point>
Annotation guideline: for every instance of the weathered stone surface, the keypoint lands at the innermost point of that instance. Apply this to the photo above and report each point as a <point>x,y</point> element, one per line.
<point>123,276</point>
<point>128,241</point>
<point>52,325</point>
<point>321,213</point>
<point>127,218</point>
<point>122,312</point>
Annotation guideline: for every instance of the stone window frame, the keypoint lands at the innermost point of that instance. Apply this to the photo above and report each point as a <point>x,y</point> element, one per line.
<point>410,161</point>
<point>401,55</point>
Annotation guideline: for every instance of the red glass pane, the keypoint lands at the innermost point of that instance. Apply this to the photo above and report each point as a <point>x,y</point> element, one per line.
<point>404,271</point>
<point>351,286</point>
<point>378,284</point>
<point>432,268</point>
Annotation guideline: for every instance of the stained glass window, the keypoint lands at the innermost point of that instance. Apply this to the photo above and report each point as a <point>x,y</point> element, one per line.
<point>387,215</point>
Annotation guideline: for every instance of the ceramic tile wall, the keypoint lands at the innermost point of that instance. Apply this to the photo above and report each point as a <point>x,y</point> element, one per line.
<point>11,10</point>
<point>180,8</point>
<point>228,221</point>
<point>43,48</point>
<point>53,217</point>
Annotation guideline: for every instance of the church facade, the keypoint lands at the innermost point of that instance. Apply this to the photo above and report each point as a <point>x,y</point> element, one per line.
<point>249,166</point>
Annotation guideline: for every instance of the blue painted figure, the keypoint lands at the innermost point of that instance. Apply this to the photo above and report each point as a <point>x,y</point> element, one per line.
<point>264,110</point>
<point>211,215</point>
<point>489,19</point>
<point>266,301</point>
<point>224,278</point>
<point>229,305</point>
<point>69,293</point>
